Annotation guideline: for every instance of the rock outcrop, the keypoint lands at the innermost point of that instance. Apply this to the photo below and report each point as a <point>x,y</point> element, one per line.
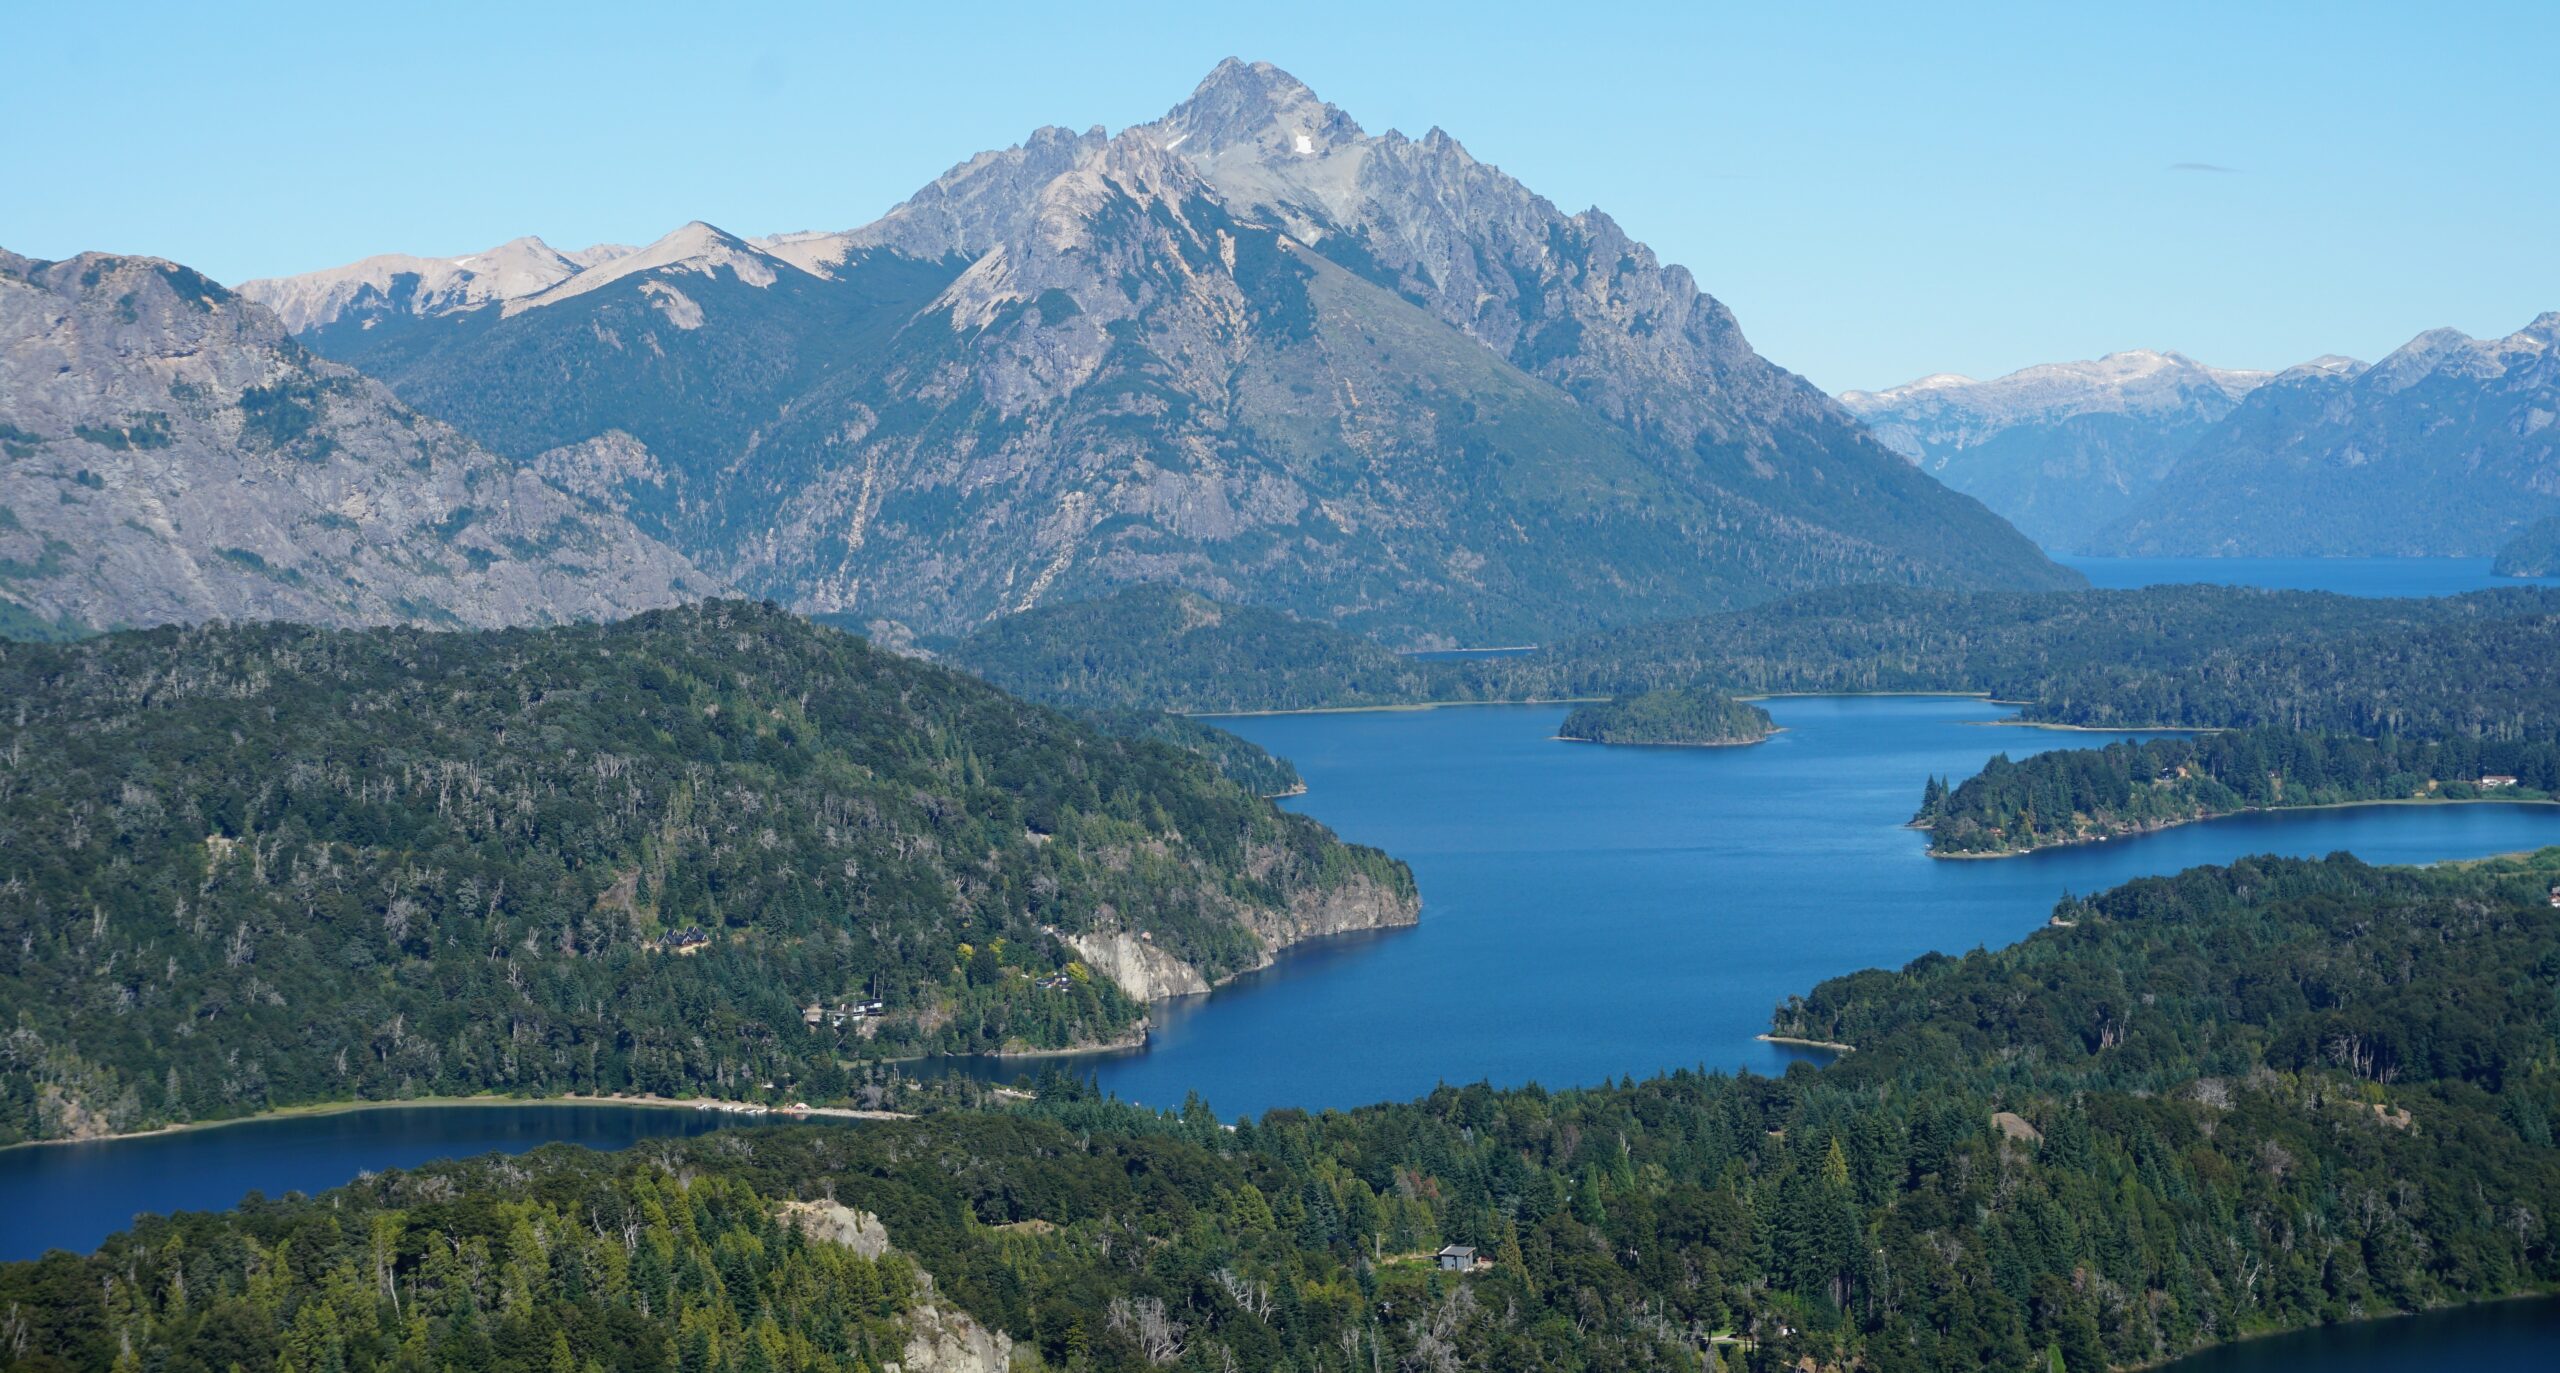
<point>1354,903</point>
<point>1141,969</point>
<point>940,1338</point>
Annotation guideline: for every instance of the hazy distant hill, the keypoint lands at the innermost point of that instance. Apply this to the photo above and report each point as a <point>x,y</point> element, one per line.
<point>1248,348</point>
<point>2063,449</point>
<point>2445,448</point>
<point>173,456</point>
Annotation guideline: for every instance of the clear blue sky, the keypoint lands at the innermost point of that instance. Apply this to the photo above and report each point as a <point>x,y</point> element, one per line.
<point>1878,193</point>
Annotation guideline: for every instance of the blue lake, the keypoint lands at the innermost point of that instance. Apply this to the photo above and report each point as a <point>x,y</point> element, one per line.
<point>1591,912</point>
<point>2350,576</point>
<point>2496,1337</point>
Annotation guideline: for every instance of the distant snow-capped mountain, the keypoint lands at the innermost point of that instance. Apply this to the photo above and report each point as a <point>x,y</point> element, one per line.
<point>2061,449</point>
<point>2445,448</point>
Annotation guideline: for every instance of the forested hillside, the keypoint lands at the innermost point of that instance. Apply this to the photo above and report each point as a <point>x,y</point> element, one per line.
<point>2068,795</point>
<point>262,865</point>
<point>1163,648</point>
<point>2233,1101</point>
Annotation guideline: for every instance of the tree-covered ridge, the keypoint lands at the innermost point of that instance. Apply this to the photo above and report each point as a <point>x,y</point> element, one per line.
<point>2069,795</point>
<point>2233,1101</point>
<point>1669,715</point>
<point>257,866</point>
<point>2203,657</point>
<point>1163,648</point>
<point>2208,657</point>
<point>2533,552</point>
<point>1238,759</point>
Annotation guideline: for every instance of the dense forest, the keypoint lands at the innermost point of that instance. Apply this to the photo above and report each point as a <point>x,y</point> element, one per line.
<point>1164,648</point>
<point>2068,795</point>
<point>1670,715</point>
<point>2231,1101</point>
<point>263,865</point>
<point>1239,760</point>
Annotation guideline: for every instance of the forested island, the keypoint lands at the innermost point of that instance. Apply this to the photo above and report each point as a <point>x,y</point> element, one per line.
<point>716,850</point>
<point>2070,796</point>
<point>1670,715</point>
<point>2533,552</point>
<point>2224,1103</point>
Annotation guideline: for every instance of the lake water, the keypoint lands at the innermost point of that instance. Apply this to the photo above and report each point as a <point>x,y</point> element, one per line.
<point>2495,1337</point>
<point>71,1196</point>
<point>1591,912</point>
<point>2350,576</point>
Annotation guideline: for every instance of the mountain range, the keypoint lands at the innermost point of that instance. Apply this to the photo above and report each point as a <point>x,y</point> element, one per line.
<point>172,455</point>
<point>2064,449</point>
<point>1248,348</point>
<point>2445,448</point>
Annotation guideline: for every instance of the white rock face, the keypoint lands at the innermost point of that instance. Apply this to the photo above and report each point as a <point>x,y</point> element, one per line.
<point>1143,971</point>
<point>173,457</point>
<point>433,285</point>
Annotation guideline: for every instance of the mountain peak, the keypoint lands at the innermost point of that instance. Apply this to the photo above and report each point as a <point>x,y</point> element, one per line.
<point>696,247</point>
<point>1258,106</point>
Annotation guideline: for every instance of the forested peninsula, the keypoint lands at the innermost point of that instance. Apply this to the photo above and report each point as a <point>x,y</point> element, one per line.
<point>2230,1102</point>
<point>2070,796</point>
<point>1669,716</point>
<point>715,850</point>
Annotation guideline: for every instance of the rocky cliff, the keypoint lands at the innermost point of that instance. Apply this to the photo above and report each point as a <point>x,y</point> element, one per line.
<point>1354,902</point>
<point>173,456</point>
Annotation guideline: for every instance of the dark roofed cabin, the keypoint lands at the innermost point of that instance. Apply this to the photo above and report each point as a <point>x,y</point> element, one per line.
<point>1457,1257</point>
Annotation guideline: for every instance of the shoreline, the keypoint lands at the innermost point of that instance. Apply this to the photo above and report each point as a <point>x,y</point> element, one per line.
<point>715,1105</point>
<point>1667,743</point>
<point>2253,1336</point>
<point>2142,830</point>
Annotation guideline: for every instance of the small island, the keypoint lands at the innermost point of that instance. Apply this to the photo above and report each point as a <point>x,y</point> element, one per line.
<point>1681,716</point>
<point>2533,552</point>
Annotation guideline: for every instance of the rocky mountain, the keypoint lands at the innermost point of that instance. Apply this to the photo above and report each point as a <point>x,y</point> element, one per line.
<point>1249,348</point>
<point>2446,448</point>
<point>397,284</point>
<point>173,456</point>
<point>2060,450</point>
